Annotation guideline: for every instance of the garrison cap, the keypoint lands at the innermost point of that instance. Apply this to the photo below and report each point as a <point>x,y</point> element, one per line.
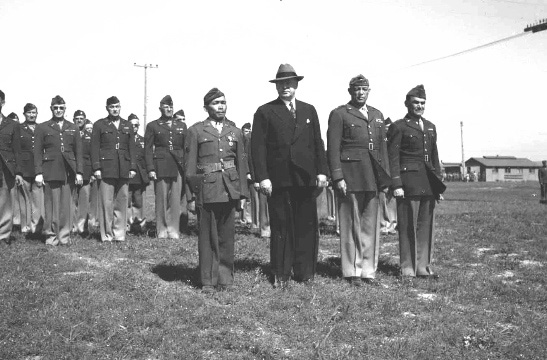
<point>132,116</point>
<point>246,126</point>
<point>418,91</point>
<point>180,112</point>
<point>13,116</point>
<point>212,95</point>
<point>286,71</point>
<point>167,100</point>
<point>79,113</point>
<point>112,100</point>
<point>358,80</point>
<point>29,107</point>
<point>57,100</point>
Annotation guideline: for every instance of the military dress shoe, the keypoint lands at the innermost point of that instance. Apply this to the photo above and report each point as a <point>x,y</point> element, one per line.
<point>428,276</point>
<point>281,282</point>
<point>372,281</point>
<point>207,289</point>
<point>223,287</point>
<point>355,281</point>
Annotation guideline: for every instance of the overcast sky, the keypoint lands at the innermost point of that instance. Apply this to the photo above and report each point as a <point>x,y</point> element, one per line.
<point>85,51</point>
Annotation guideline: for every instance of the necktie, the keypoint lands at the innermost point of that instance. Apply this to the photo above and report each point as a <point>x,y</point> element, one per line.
<point>292,110</point>
<point>421,123</point>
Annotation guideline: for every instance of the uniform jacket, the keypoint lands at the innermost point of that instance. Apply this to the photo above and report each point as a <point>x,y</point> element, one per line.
<point>141,178</point>
<point>413,158</point>
<point>205,147</point>
<point>357,148</point>
<point>288,154</point>
<point>57,151</point>
<point>10,145</point>
<point>542,175</point>
<point>247,147</point>
<point>113,149</point>
<point>85,138</point>
<point>164,147</point>
<point>27,150</point>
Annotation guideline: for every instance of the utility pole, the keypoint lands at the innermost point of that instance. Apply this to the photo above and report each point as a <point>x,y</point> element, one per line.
<point>538,26</point>
<point>145,66</point>
<point>463,157</point>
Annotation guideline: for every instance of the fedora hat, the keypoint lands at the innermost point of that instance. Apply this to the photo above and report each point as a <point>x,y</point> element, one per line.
<point>286,71</point>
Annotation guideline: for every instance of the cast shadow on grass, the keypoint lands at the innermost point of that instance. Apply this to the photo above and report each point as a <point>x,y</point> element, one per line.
<point>332,268</point>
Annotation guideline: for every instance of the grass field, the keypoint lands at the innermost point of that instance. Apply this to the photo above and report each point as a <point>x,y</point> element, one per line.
<point>140,299</point>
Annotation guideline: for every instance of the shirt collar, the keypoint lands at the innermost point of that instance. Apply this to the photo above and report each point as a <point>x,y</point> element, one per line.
<point>293,101</point>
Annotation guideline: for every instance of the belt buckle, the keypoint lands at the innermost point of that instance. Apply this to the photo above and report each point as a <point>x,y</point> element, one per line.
<point>371,146</point>
<point>426,157</point>
<point>171,147</point>
<point>62,149</point>
<point>117,146</point>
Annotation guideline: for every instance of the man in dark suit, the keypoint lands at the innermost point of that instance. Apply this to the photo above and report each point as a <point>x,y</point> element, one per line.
<point>416,175</point>
<point>164,153</point>
<point>113,161</point>
<point>290,164</point>
<point>10,150</point>
<point>358,160</point>
<point>82,193</point>
<point>137,186</point>
<point>542,177</point>
<point>216,170</point>
<point>31,196</point>
<point>58,164</point>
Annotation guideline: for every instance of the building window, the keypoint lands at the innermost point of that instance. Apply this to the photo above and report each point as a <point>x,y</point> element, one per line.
<point>532,171</point>
<point>519,171</point>
<point>495,170</point>
<point>508,170</point>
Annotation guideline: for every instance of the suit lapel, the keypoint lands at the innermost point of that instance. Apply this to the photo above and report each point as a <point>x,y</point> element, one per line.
<point>226,129</point>
<point>3,121</point>
<point>412,123</point>
<point>302,118</point>
<point>208,128</point>
<point>355,112</point>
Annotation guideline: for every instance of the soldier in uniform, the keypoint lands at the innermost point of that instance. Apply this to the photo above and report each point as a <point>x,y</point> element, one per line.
<point>358,160</point>
<point>290,164</point>
<point>184,216</point>
<point>416,176</point>
<point>31,196</point>
<point>92,220</point>
<point>113,160</point>
<point>137,185</point>
<point>58,163</point>
<point>542,177</point>
<point>10,151</point>
<point>216,169</point>
<point>14,198</point>
<point>164,153</point>
<point>83,192</point>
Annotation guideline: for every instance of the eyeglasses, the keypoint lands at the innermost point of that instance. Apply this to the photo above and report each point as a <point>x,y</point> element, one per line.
<point>59,107</point>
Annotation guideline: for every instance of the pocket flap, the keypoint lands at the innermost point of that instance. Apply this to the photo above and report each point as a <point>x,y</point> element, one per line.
<point>351,155</point>
<point>410,167</point>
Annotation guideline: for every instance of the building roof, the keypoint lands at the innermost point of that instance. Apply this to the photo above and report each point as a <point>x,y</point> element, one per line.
<point>503,161</point>
<point>451,164</point>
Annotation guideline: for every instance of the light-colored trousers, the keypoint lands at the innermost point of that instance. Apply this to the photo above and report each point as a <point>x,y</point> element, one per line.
<point>16,207</point>
<point>359,214</point>
<point>135,204</point>
<point>81,207</point>
<point>31,203</point>
<point>6,209</point>
<point>58,207</point>
<point>113,195</point>
<point>251,210</point>
<point>416,217</point>
<point>388,221</point>
<point>94,204</point>
<point>168,192</point>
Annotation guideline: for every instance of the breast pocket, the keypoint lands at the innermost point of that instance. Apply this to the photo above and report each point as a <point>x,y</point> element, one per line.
<point>352,130</point>
<point>206,147</point>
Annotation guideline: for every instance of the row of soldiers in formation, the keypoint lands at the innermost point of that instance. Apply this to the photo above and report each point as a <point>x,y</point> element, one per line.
<point>209,162</point>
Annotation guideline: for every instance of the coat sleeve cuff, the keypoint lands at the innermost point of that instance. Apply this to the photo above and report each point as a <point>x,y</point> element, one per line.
<point>337,174</point>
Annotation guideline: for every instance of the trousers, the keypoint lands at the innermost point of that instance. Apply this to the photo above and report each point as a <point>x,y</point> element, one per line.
<point>113,209</point>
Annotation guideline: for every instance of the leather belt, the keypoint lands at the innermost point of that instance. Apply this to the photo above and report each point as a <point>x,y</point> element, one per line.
<point>208,168</point>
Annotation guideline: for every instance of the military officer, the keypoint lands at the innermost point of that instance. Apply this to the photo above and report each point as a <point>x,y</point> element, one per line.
<point>358,160</point>
<point>14,198</point>
<point>164,152</point>
<point>137,185</point>
<point>290,164</point>
<point>184,216</point>
<point>59,167</point>
<point>416,176</point>
<point>92,220</point>
<point>216,169</point>
<point>82,192</point>
<point>31,196</point>
<point>542,177</point>
<point>113,161</point>
<point>10,150</point>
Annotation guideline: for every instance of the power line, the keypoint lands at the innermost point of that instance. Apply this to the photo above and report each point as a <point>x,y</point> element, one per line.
<point>530,29</point>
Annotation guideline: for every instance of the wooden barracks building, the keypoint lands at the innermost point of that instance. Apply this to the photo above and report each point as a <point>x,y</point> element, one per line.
<point>503,168</point>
